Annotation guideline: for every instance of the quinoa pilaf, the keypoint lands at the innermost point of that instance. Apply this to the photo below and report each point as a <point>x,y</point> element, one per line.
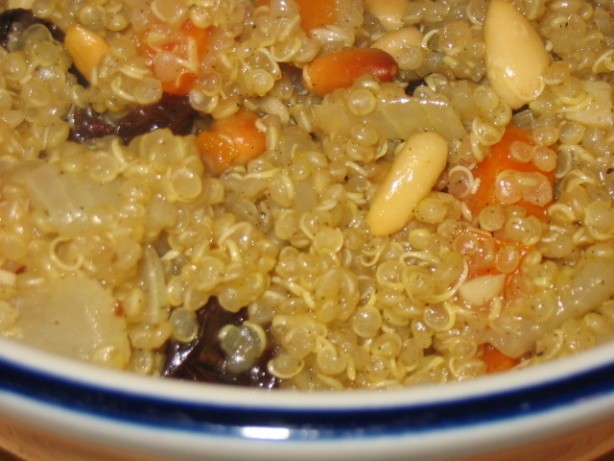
<point>330,194</point>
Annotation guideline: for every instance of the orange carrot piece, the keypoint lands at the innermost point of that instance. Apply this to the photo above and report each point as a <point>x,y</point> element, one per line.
<point>500,159</point>
<point>339,69</point>
<point>495,360</point>
<point>317,13</point>
<point>178,44</point>
<point>201,36</point>
<point>186,80</point>
<point>231,141</point>
<point>181,85</point>
<point>314,13</point>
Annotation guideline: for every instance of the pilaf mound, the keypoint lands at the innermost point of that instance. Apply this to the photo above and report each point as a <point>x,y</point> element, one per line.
<point>310,195</point>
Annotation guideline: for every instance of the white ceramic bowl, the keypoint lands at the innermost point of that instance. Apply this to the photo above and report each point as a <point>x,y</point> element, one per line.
<point>56,409</point>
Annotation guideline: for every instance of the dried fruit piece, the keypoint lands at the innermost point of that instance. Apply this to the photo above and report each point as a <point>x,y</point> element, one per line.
<point>172,112</point>
<point>24,18</point>
<point>85,125</point>
<point>203,359</point>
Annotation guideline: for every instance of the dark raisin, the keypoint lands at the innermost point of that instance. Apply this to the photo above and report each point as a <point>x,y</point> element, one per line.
<point>13,22</point>
<point>412,86</point>
<point>85,125</point>
<point>203,359</point>
<point>172,111</point>
<point>19,19</point>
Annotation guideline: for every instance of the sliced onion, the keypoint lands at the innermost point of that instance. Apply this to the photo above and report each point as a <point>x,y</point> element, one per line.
<point>154,286</point>
<point>591,285</point>
<point>393,117</point>
<point>67,209</point>
<point>74,317</point>
<point>598,112</point>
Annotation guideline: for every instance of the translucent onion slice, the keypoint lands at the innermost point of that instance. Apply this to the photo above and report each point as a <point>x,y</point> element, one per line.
<point>393,117</point>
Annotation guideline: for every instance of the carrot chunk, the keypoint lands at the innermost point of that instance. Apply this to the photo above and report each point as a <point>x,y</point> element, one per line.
<point>317,13</point>
<point>187,44</point>
<point>495,360</point>
<point>314,13</point>
<point>231,141</point>
<point>493,170</point>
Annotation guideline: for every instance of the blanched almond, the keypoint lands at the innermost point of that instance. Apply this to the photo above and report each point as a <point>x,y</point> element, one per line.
<point>480,290</point>
<point>413,174</point>
<point>339,69</point>
<point>515,55</point>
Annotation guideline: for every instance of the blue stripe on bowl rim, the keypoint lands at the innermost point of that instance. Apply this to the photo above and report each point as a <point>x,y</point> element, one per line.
<point>323,424</point>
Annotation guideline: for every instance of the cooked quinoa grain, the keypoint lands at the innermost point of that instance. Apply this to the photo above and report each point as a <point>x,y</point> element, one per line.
<point>240,191</point>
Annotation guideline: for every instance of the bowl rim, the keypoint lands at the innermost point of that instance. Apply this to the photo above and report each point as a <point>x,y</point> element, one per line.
<point>115,408</point>
<point>43,364</point>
